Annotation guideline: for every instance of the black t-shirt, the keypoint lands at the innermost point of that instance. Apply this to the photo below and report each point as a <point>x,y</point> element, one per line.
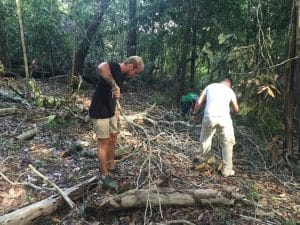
<point>103,105</point>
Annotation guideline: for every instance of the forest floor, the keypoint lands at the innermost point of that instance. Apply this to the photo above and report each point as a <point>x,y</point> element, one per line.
<point>161,143</point>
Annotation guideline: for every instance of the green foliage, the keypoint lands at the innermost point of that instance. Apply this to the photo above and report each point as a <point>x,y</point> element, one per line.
<point>258,91</point>
<point>241,58</point>
<point>60,124</point>
<point>28,198</point>
<point>289,222</point>
<point>206,49</point>
<point>45,37</point>
<point>239,37</point>
<point>253,193</point>
<point>2,69</point>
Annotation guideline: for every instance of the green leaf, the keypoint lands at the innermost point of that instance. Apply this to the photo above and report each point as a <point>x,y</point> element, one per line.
<point>206,28</point>
<point>221,38</point>
<point>206,49</point>
<point>50,118</point>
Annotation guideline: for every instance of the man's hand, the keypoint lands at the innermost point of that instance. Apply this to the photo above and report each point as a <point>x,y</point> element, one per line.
<point>195,118</point>
<point>116,93</point>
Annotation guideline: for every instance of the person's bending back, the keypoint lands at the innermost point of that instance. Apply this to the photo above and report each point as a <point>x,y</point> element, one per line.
<point>187,103</point>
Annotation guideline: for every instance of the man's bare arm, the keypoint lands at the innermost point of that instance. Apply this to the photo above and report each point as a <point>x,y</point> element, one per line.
<point>105,73</point>
<point>199,102</point>
<point>235,106</point>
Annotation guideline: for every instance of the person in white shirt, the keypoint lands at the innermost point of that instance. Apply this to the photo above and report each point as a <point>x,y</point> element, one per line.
<point>220,100</point>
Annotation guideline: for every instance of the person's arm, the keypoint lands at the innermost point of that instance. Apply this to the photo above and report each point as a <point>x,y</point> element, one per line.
<point>199,103</point>
<point>105,73</point>
<point>235,106</point>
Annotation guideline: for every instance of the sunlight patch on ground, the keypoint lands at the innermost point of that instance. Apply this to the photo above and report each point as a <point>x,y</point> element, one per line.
<point>11,198</point>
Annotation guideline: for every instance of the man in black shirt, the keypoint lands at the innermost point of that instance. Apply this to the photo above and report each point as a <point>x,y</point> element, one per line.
<point>104,113</point>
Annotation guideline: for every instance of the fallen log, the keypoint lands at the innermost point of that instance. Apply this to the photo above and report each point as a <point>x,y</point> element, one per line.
<point>77,146</point>
<point>27,135</point>
<point>163,197</point>
<point>7,111</point>
<point>28,214</point>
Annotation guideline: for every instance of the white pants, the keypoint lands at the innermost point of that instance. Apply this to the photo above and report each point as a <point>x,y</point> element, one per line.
<point>224,128</point>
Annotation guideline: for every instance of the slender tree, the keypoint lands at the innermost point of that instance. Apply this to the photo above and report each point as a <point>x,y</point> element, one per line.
<point>3,35</point>
<point>290,84</point>
<point>90,33</point>
<point>297,74</point>
<point>131,46</point>
<point>19,14</point>
<point>186,42</point>
<point>194,45</point>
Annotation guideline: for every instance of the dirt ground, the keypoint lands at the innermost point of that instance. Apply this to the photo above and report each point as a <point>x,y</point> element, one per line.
<point>163,143</point>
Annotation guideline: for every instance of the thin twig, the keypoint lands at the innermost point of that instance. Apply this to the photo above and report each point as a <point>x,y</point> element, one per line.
<point>67,199</point>
<point>269,67</point>
<point>25,184</point>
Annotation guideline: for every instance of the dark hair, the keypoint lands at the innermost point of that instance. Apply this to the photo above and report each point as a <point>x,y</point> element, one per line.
<point>228,79</point>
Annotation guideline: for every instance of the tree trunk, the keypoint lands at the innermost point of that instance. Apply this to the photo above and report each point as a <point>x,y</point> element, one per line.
<point>51,57</point>
<point>297,74</point>
<point>162,197</point>
<point>131,46</point>
<point>289,86</point>
<point>3,35</point>
<point>19,13</point>
<point>248,22</point>
<point>28,214</point>
<point>90,32</point>
<point>183,59</point>
<point>194,48</point>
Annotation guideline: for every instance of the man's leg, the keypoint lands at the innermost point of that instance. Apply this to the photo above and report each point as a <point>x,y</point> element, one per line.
<point>228,141</point>
<point>101,129</point>
<point>184,108</point>
<point>111,152</point>
<point>105,143</point>
<point>207,132</point>
<point>113,130</point>
<point>102,153</point>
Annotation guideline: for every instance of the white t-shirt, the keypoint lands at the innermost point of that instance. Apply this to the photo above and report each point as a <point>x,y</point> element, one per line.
<point>218,98</point>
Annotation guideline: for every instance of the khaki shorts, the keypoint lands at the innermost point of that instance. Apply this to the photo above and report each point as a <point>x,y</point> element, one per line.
<point>103,128</point>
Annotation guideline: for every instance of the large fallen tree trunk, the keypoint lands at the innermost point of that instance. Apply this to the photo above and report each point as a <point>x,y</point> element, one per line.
<point>28,214</point>
<point>163,197</point>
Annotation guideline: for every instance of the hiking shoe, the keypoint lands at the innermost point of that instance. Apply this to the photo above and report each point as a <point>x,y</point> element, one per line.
<point>109,182</point>
<point>227,174</point>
